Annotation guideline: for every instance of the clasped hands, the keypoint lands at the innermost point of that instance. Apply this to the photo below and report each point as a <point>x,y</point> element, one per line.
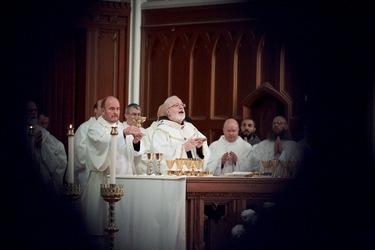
<point>135,132</point>
<point>278,146</point>
<point>192,143</point>
<point>229,156</point>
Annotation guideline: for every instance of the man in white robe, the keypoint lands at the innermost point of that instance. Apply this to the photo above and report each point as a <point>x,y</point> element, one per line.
<point>279,146</point>
<point>230,153</point>
<point>48,152</point>
<point>133,110</point>
<point>80,145</point>
<point>176,138</point>
<point>98,159</point>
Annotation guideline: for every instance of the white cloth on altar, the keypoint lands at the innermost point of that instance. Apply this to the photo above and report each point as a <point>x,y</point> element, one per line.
<point>169,138</point>
<point>240,147</point>
<point>151,214</point>
<point>98,153</point>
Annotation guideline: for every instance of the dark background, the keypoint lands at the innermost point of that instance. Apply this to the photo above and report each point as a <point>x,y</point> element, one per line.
<point>329,204</point>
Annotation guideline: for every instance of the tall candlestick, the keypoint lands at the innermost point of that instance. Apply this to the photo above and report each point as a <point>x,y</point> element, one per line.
<point>31,134</point>
<point>70,154</point>
<point>112,166</point>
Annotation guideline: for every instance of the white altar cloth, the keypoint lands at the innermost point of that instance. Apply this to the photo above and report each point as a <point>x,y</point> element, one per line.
<point>151,214</point>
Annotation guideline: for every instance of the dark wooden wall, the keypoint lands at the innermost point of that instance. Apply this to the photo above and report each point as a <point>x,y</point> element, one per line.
<point>222,61</point>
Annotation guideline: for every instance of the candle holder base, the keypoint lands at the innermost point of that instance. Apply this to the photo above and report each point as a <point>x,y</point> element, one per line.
<point>71,191</point>
<point>111,193</point>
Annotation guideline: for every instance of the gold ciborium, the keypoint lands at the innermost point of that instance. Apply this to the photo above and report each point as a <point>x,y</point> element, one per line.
<point>266,165</point>
<point>199,163</point>
<point>150,157</point>
<point>284,167</point>
<point>159,158</point>
<point>188,163</point>
<point>275,164</point>
<point>180,164</point>
<point>170,166</point>
<point>138,120</point>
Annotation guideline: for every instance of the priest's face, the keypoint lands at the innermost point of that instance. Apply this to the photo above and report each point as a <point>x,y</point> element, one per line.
<point>32,113</point>
<point>111,111</point>
<point>133,112</point>
<point>279,125</point>
<point>231,130</point>
<point>248,127</point>
<point>176,110</point>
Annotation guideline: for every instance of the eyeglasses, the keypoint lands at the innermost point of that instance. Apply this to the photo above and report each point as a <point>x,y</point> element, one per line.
<point>177,105</point>
<point>278,123</point>
<point>135,114</point>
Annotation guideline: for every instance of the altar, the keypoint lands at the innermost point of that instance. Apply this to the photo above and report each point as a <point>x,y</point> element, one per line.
<point>151,214</point>
<point>172,212</point>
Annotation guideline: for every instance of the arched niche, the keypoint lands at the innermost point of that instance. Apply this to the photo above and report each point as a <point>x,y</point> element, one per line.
<point>263,104</point>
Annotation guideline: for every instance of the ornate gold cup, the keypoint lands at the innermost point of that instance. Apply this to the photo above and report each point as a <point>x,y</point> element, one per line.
<point>266,165</point>
<point>150,157</point>
<point>138,120</point>
<point>199,164</point>
<point>275,164</point>
<point>180,164</point>
<point>284,166</point>
<point>189,163</point>
<point>159,158</point>
<point>170,166</point>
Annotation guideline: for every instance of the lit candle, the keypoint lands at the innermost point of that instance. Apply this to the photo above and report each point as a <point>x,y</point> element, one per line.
<point>112,166</point>
<point>32,142</point>
<point>70,154</point>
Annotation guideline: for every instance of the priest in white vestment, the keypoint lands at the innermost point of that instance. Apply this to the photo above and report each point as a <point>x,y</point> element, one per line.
<point>48,153</point>
<point>230,153</point>
<point>133,110</point>
<point>176,138</point>
<point>98,151</point>
<point>279,146</point>
<point>80,145</point>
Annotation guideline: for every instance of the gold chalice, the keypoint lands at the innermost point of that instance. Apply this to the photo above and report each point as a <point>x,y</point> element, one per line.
<point>170,166</point>
<point>284,166</point>
<point>275,164</point>
<point>138,120</point>
<point>150,157</point>
<point>180,164</point>
<point>188,163</point>
<point>159,158</point>
<point>199,164</point>
<point>266,165</point>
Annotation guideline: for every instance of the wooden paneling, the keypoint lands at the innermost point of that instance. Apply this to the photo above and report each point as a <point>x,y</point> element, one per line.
<point>214,206</point>
<point>216,59</point>
<point>107,46</point>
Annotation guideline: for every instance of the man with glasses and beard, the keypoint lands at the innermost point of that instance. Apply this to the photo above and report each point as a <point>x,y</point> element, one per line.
<point>247,132</point>
<point>177,138</point>
<point>278,146</point>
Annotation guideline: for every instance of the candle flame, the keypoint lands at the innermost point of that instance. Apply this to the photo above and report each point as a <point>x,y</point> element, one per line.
<point>70,126</point>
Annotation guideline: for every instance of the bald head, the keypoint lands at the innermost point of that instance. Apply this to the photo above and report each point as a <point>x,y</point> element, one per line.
<point>160,111</point>
<point>231,129</point>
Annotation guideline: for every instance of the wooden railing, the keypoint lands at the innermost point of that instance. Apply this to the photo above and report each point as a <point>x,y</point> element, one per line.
<point>214,206</point>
